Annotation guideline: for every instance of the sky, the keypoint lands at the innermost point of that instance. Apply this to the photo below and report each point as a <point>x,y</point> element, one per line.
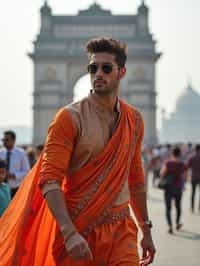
<point>173,23</point>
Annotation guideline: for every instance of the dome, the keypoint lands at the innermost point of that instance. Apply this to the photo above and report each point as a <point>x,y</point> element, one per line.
<point>188,100</point>
<point>184,124</point>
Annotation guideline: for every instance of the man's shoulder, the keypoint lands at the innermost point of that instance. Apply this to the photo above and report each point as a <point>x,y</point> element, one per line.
<point>19,152</point>
<point>74,111</point>
<point>71,110</point>
<point>77,106</point>
<point>132,109</point>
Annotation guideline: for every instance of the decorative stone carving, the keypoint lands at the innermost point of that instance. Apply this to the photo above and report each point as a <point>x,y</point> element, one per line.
<point>139,73</point>
<point>50,74</point>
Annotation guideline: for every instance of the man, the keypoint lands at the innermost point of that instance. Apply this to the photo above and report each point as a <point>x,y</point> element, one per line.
<point>16,161</point>
<point>89,172</point>
<point>194,165</point>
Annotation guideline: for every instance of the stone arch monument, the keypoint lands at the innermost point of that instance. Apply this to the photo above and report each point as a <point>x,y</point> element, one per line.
<point>59,61</point>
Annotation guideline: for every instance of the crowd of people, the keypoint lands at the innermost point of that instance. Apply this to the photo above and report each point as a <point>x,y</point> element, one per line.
<point>172,166</point>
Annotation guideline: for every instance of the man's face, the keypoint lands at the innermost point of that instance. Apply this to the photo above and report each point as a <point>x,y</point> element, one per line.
<point>105,83</point>
<point>8,141</point>
<point>2,174</point>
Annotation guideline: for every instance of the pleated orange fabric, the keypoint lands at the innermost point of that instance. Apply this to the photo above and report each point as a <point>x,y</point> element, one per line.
<point>123,251</point>
<point>28,233</point>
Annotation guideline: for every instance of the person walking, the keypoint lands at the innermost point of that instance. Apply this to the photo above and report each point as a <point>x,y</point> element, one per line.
<point>89,172</point>
<point>17,163</point>
<point>174,171</point>
<point>194,166</point>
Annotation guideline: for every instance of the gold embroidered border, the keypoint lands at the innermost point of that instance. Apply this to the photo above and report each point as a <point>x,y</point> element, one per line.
<point>135,138</point>
<point>107,217</point>
<point>88,195</point>
<point>85,200</point>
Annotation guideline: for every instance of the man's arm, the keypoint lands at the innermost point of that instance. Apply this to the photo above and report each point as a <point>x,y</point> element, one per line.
<point>56,158</point>
<point>138,199</point>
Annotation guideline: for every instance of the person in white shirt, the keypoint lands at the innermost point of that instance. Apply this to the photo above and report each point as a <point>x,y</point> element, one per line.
<point>16,159</point>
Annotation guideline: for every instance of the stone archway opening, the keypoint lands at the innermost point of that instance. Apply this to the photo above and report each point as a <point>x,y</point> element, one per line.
<point>82,87</point>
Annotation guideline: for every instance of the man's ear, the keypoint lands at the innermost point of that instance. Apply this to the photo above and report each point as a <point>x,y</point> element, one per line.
<point>122,72</point>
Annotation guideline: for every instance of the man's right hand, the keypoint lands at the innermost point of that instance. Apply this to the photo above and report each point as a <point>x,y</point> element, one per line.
<point>78,248</point>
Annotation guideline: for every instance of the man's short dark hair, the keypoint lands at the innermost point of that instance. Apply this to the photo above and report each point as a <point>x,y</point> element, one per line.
<point>11,133</point>
<point>108,45</point>
<point>2,164</point>
<point>176,152</point>
<point>197,148</point>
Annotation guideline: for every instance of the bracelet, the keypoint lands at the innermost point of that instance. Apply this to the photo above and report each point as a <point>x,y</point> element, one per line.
<point>147,224</point>
<point>67,236</point>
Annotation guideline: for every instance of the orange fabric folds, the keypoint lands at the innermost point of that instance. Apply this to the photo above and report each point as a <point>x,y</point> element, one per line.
<point>123,249</point>
<point>27,227</point>
<point>28,231</point>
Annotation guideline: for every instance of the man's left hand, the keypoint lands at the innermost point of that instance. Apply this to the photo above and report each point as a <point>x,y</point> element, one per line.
<point>148,249</point>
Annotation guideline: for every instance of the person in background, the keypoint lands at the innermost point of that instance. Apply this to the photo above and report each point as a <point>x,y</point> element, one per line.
<point>194,166</point>
<point>17,163</point>
<point>31,153</point>
<point>175,171</point>
<point>145,160</point>
<point>166,152</point>
<point>156,163</point>
<point>39,149</point>
<point>4,189</point>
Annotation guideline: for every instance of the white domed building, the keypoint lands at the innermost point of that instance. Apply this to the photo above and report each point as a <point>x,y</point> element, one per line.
<point>184,124</point>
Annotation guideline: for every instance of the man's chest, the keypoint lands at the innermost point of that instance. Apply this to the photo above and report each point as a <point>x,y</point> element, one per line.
<point>94,133</point>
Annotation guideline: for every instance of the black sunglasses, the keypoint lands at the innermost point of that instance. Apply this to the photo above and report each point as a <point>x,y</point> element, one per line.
<point>105,67</point>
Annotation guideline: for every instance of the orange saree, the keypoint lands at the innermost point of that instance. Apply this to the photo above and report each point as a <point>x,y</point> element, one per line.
<point>29,234</point>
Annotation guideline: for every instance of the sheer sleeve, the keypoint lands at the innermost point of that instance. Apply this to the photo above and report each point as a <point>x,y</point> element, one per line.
<point>58,149</point>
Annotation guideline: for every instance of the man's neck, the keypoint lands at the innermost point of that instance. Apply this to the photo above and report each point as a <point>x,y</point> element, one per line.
<point>107,100</point>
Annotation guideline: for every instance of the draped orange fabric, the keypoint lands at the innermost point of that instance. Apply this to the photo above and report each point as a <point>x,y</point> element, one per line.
<point>28,233</point>
<point>111,244</point>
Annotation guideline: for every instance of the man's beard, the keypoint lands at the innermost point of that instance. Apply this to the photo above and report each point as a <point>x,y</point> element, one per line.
<point>103,91</point>
<point>106,90</point>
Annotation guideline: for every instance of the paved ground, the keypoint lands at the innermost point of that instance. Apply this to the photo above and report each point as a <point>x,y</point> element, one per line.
<point>182,248</point>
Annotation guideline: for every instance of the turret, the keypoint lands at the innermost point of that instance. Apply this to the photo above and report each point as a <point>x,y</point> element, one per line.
<point>46,20</point>
<point>142,19</point>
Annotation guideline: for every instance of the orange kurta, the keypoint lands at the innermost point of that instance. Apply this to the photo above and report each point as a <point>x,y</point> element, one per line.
<point>28,234</point>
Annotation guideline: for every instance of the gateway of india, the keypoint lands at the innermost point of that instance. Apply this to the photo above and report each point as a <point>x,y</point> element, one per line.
<point>60,61</point>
